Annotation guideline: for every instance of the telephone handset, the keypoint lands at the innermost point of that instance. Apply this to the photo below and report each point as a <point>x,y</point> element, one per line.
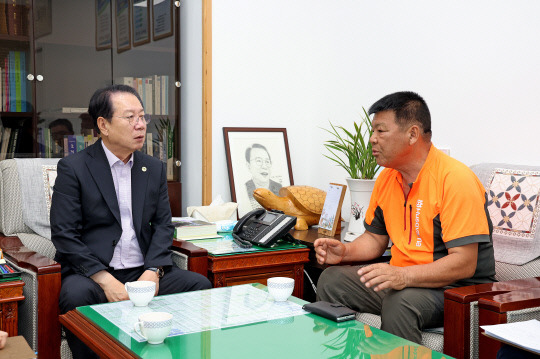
<point>263,228</point>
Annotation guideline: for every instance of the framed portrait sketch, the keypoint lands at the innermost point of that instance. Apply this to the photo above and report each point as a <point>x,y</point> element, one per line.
<point>256,158</point>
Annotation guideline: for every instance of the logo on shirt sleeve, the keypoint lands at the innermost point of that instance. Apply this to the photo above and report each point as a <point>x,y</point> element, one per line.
<point>419,204</point>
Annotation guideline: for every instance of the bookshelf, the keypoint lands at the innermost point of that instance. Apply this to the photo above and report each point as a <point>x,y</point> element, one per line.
<point>51,64</point>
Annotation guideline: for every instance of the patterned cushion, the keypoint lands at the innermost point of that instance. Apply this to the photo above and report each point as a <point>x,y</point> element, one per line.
<point>36,176</point>
<point>514,207</point>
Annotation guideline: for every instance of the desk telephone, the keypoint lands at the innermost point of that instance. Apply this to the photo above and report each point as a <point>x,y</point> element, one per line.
<point>263,228</point>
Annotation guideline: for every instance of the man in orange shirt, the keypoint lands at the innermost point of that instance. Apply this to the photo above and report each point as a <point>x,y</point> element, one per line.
<point>433,208</point>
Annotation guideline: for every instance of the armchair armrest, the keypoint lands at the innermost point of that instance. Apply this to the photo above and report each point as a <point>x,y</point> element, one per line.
<point>497,308</point>
<point>197,257</point>
<point>457,311</point>
<point>47,273</point>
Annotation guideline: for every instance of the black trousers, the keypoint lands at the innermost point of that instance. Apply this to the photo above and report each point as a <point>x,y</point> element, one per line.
<point>78,290</point>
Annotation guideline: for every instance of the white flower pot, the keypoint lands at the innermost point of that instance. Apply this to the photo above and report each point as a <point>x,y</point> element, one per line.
<point>360,192</point>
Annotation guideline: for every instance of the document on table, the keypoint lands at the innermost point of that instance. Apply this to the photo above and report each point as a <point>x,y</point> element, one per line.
<point>226,245</point>
<point>525,334</point>
<point>203,310</point>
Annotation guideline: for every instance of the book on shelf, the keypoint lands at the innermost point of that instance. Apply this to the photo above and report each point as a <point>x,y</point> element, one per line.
<point>18,85</point>
<point>71,144</point>
<point>3,18</point>
<point>170,152</point>
<point>164,94</point>
<point>156,90</point>
<point>6,84</point>
<point>79,139</point>
<point>149,144</point>
<point>13,15</point>
<point>188,228</point>
<point>22,79</point>
<point>148,95</point>
<point>13,142</point>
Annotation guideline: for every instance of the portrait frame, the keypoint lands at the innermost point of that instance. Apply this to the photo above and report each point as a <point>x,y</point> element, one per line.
<point>140,22</point>
<point>123,25</point>
<point>162,19</point>
<point>103,25</point>
<point>241,177</point>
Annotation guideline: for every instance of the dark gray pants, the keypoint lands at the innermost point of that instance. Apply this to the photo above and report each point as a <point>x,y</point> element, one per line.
<point>403,312</point>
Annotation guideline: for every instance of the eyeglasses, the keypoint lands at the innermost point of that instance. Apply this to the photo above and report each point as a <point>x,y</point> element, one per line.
<point>259,162</point>
<point>133,119</point>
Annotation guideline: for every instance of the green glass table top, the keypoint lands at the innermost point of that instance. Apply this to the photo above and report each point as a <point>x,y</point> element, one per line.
<point>225,246</point>
<point>301,336</point>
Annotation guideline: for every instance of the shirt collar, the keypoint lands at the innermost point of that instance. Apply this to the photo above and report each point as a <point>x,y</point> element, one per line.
<point>112,159</point>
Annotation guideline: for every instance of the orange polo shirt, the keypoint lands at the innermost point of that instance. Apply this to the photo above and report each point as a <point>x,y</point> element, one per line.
<point>445,208</point>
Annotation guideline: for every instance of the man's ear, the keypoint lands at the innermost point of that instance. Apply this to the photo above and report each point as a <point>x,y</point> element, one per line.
<point>414,134</point>
<point>103,126</point>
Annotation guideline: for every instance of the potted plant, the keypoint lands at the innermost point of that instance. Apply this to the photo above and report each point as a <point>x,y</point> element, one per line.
<point>351,150</point>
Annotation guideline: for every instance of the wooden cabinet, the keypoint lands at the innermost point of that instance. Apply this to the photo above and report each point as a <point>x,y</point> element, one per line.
<point>10,294</point>
<point>56,62</point>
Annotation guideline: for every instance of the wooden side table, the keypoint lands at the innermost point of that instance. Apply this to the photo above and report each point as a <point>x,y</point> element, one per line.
<point>224,271</point>
<point>10,294</point>
<point>248,267</point>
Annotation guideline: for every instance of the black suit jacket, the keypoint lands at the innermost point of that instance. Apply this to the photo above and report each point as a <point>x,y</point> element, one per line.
<point>85,216</point>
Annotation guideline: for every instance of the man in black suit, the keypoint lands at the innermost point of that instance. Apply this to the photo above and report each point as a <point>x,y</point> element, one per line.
<point>110,213</point>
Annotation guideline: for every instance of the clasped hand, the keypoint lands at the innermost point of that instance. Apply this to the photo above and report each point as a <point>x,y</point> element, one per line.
<point>381,276</point>
<point>114,290</point>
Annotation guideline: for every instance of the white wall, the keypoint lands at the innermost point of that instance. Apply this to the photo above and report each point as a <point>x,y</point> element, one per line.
<point>298,64</point>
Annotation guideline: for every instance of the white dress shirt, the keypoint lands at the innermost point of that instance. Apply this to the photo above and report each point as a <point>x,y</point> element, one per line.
<point>127,253</point>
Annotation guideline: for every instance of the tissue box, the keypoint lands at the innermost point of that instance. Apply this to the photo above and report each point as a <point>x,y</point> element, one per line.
<point>214,213</point>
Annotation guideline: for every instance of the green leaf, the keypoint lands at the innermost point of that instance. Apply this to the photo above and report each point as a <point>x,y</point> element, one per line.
<point>352,150</point>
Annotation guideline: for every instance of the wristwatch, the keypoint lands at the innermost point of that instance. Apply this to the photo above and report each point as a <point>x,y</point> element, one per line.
<point>158,270</point>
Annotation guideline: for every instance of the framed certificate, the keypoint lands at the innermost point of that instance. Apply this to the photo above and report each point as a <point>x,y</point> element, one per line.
<point>140,10</point>
<point>162,18</point>
<point>103,25</point>
<point>123,26</point>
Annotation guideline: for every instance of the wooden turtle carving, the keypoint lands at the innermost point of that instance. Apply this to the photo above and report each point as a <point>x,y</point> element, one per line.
<point>303,202</point>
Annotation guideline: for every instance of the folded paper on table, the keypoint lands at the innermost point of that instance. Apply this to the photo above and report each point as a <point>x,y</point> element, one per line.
<point>525,334</point>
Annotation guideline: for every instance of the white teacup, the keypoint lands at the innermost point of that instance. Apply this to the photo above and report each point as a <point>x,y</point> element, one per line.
<point>280,288</point>
<point>141,292</point>
<point>154,326</point>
